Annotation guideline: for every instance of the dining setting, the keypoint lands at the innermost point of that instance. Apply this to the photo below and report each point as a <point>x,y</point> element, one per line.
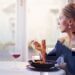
<point>40,64</point>
<point>37,37</point>
<point>36,65</point>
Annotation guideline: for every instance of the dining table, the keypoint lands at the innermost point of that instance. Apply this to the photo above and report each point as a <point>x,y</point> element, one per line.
<point>20,68</point>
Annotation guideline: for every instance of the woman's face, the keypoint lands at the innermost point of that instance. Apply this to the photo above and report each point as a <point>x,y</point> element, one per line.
<point>63,23</point>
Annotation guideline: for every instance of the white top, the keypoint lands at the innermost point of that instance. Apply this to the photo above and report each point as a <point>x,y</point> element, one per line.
<point>19,68</point>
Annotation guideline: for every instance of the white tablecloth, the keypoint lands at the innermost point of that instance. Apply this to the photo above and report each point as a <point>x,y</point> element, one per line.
<point>19,68</point>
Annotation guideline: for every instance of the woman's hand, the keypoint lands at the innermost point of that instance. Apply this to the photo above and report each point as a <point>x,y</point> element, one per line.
<point>37,46</point>
<point>40,47</point>
<point>62,66</point>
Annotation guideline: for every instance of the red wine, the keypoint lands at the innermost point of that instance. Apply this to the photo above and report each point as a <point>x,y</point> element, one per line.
<point>16,55</point>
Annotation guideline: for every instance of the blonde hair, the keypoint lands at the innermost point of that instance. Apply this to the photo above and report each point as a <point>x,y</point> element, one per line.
<point>69,10</point>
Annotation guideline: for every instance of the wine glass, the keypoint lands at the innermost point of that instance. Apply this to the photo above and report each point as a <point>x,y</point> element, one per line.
<point>15,53</point>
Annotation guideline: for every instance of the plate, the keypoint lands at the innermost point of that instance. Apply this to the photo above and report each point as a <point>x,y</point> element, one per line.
<point>47,65</point>
<point>52,69</point>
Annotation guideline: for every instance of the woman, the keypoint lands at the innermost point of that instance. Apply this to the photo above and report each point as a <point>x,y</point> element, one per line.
<point>65,45</point>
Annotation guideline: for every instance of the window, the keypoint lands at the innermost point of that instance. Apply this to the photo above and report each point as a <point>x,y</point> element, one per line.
<point>12,29</point>
<point>42,21</point>
<point>21,22</point>
<point>7,27</point>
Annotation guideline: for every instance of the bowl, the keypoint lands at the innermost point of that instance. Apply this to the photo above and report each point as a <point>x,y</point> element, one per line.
<point>39,64</point>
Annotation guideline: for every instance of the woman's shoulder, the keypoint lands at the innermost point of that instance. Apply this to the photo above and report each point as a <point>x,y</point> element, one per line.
<point>62,39</point>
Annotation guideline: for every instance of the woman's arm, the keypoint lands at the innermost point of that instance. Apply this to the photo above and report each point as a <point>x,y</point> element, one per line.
<point>51,55</point>
<point>55,53</point>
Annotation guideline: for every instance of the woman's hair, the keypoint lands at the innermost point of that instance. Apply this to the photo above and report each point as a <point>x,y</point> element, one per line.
<point>69,10</point>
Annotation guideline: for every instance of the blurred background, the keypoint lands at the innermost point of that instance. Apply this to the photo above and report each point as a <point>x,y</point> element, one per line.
<point>24,20</point>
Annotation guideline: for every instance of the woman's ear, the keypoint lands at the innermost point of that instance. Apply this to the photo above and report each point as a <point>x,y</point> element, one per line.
<point>70,22</point>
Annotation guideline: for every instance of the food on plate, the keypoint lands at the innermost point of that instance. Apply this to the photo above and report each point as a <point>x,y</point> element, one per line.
<point>39,62</point>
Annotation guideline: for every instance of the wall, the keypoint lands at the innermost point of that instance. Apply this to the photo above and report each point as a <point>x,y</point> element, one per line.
<point>41,19</point>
